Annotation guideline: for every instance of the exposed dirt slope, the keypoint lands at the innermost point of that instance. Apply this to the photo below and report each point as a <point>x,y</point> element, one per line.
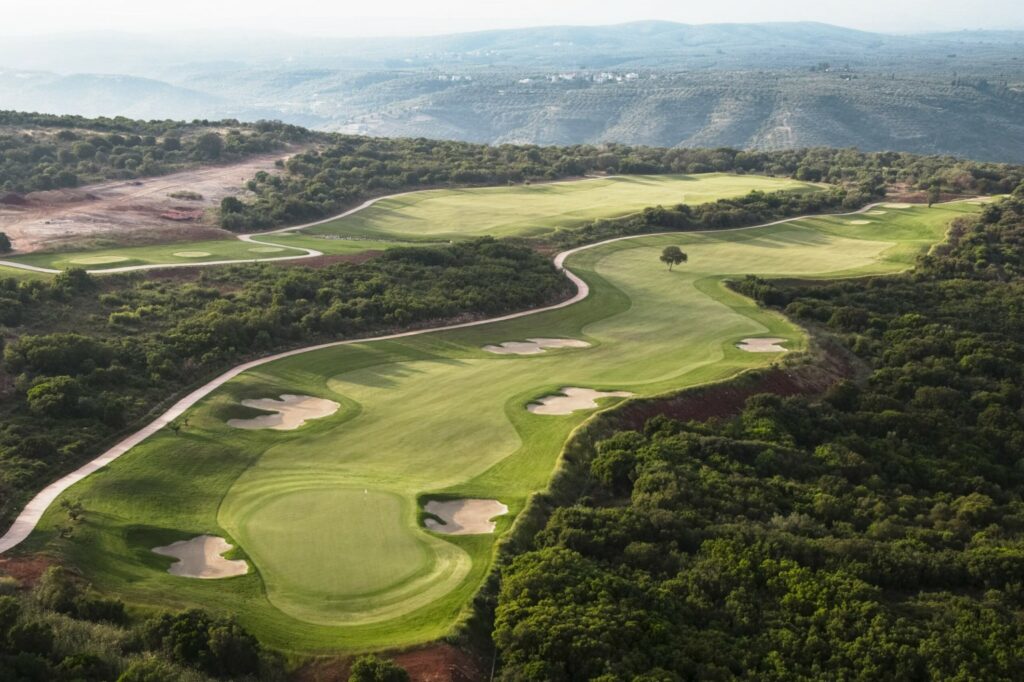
<point>127,211</point>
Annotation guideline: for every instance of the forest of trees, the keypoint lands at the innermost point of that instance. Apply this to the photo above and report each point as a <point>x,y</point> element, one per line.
<point>42,152</point>
<point>875,532</point>
<point>350,169</point>
<point>93,355</point>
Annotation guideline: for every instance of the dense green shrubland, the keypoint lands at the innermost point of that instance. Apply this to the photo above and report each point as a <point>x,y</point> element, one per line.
<point>875,533</point>
<point>753,209</point>
<point>60,631</point>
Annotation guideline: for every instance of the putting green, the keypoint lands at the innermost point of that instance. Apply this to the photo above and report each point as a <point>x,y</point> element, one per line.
<point>532,210</point>
<point>392,572</point>
<point>327,513</point>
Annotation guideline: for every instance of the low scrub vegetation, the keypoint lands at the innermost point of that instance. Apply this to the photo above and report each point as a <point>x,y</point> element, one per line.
<point>753,209</point>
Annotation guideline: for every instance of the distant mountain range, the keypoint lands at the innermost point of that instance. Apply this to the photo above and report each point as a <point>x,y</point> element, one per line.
<point>747,85</point>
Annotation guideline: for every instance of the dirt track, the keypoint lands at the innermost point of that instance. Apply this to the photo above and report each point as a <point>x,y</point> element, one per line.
<point>126,212</point>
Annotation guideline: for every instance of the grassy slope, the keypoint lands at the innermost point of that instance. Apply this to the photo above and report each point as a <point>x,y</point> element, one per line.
<point>19,274</point>
<point>533,210</point>
<point>327,513</point>
<point>441,215</point>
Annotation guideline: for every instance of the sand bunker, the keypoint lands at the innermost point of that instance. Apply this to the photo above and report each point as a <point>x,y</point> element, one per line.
<point>201,557</point>
<point>875,213</point>
<point>193,254</point>
<point>99,260</point>
<point>464,517</point>
<point>534,346</point>
<point>858,222</point>
<point>290,412</point>
<point>896,205</point>
<point>266,249</point>
<point>572,399</point>
<point>762,345</point>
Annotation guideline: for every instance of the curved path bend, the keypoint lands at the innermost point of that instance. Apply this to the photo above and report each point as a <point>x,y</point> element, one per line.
<point>252,238</point>
<point>33,511</point>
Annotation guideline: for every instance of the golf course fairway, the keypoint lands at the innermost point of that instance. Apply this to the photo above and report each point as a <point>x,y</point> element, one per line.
<point>539,209</point>
<point>328,515</point>
<point>422,216</point>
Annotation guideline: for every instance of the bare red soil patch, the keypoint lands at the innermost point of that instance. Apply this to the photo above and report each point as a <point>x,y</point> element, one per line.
<point>127,212</point>
<point>182,215</point>
<point>719,401</point>
<point>442,663</point>
<point>25,569</point>
<point>433,663</point>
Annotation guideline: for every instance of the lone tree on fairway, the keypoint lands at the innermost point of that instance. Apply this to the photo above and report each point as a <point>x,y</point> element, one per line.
<point>672,255</point>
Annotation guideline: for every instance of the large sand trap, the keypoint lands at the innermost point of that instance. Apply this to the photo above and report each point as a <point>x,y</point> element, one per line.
<point>876,213</point>
<point>898,205</point>
<point>534,346</point>
<point>762,345</point>
<point>290,412</point>
<point>464,517</point>
<point>858,222</point>
<point>201,557</point>
<point>572,399</point>
<point>99,260</point>
<point>193,254</point>
<point>267,249</point>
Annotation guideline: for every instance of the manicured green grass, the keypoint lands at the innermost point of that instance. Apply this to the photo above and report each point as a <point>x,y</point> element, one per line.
<point>274,246</point>
<point>332,244</point>
<point>19,274</point>
<point>327,514</point>
<point>535,210</point>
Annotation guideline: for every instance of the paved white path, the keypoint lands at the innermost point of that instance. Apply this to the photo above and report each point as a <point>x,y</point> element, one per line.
<point>30,515</point>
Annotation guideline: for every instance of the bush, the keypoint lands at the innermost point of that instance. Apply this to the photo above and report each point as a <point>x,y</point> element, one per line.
<point>98,609</point>
<point>31,638</point>
<point>374,669</point>
<point>149,670</point>
<point>194,638</point>
<point>56,590</point>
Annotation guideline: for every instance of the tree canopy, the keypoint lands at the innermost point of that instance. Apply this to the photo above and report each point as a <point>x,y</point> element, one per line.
<point>672,255</point>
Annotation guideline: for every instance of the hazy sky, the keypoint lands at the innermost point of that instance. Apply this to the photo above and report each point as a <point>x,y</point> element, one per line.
<point>416,17</point>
